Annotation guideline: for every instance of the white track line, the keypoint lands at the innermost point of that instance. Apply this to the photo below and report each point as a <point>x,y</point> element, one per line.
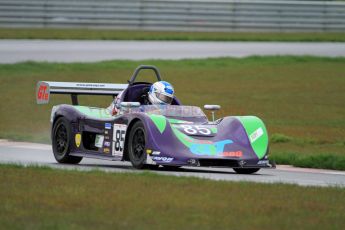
<point>291,168</point>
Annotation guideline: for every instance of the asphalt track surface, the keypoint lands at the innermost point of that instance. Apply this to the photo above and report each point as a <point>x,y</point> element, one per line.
<point>12,51</point>
<point>41,154</point>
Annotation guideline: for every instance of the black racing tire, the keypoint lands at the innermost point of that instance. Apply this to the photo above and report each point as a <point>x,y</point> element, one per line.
<point>136,145</point>
<point>246,170</point>
<point>61,142</point>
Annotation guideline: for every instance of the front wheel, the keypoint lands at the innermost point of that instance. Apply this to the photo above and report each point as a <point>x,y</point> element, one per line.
<point>246,170</point>
<point>61,138</point>
<point>136,145</point>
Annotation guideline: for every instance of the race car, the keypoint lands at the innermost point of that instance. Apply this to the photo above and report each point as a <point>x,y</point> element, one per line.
<point>151,135</point>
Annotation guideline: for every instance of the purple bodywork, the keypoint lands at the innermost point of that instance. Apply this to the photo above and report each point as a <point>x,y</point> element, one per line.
<point>171,139</point>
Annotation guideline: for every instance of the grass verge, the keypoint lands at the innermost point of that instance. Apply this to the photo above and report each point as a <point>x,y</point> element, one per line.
<point>41,198</point>
<point>93,34</point>
<point>300,99</point>
<point>318,160</point>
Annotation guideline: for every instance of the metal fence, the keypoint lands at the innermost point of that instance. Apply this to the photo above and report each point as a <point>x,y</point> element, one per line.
<point>175,15</point>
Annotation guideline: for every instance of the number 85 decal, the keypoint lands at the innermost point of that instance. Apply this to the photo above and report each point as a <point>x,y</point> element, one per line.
<point>196,130</point>
<point>119,139</point>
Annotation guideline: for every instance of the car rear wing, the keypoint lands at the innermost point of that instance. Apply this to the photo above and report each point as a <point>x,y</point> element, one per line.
<point>45,88</point>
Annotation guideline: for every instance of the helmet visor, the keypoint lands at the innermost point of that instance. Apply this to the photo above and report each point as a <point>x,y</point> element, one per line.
<point>166,99</point>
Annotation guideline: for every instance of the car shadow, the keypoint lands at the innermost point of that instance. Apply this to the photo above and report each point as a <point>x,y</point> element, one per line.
<point>207,171</point>
<point>128,167</point>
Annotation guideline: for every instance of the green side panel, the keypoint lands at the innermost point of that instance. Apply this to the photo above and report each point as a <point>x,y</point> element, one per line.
<point>160,122</point>
<point>186,140</point>
<point>176,121</point>
<point>214,130</point>
<point>94,112</point>
<point>257,134</point>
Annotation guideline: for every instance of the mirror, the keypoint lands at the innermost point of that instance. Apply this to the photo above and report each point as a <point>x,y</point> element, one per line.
<point>129,107</point>
<point>212,108</point>
<point>130,104</point>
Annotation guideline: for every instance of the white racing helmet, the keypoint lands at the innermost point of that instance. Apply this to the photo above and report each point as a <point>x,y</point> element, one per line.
<point>161,92</point>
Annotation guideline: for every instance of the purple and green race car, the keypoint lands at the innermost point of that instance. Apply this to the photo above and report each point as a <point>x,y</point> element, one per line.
<point>151,135</point>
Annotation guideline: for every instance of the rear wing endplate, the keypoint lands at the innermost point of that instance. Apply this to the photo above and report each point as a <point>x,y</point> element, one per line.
<point>45,88</point>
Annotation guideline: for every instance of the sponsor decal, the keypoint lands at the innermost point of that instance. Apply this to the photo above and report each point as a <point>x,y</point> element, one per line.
<point>106,138</point>
<point>107,125</point>
<point>256,135</point>
<point>119,135</point>
<point>106,132</point>
<point>233,154</point>
<point>99,141</point>
<point>164,159</point>
<point>106,150</point>
<point>156,153</point>
<point>91,85</point>
<point>263,162</point>
<point>106,143</point>
<point>215,148</point>
<point>77,139</point>
<point>42,93</point>
<point>150,152</point>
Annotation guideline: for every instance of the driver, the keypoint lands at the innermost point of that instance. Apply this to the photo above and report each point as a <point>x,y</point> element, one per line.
<point>160,93</point>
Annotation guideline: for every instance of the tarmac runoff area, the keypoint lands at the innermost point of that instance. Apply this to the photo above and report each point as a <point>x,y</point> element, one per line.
<point>13,51</point>
<point>41,155</point>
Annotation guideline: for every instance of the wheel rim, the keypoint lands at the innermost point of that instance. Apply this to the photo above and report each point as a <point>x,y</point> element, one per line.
<point>61,139</point>
<point>138,143</point>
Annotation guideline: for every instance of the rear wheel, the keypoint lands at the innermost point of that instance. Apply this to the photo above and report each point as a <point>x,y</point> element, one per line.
<point>246,170</point>
<point>61,138</point>
<point>136,145</point>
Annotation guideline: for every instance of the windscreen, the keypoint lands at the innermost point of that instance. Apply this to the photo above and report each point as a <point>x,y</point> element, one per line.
<point>173,110</point>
